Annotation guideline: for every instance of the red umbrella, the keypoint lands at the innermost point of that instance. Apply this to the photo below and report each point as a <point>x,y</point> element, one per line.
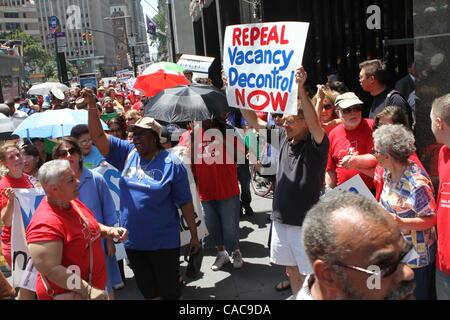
<point>160,76</point>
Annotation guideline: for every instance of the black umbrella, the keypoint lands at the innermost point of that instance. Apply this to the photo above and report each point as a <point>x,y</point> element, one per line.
<point>187,103</point>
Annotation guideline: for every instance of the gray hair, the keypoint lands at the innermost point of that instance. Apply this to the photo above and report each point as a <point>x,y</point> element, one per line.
<point>52,172</point>
<point>441,108</point>
<point>394,140</point>
<point>319,234</point>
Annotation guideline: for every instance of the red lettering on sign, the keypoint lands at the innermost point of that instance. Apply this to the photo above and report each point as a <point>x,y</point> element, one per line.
<point>283,34</point>
<point>264,31</point>
<point>258,93</point>
<point>236,36</point>
<point>254,35</point>
<point>273,35</point>
<point>279,101</point>
<point>240,97</point>
<point>245,32</point>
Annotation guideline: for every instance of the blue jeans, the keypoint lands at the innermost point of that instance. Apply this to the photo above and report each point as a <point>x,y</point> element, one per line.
<point>222,221</point>
<point>442,285</point>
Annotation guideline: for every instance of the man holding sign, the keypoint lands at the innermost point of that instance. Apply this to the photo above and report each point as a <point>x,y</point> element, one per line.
<point>300,178</point>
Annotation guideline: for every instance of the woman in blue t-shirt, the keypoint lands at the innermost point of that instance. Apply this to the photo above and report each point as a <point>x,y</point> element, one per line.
<point>153,185</point>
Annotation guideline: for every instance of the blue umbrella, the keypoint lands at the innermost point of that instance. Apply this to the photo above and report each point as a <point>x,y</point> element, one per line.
<point>52,123</point>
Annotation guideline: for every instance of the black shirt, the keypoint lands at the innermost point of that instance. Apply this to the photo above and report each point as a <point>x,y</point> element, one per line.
<point>300,178</point>
<point>378,103</point>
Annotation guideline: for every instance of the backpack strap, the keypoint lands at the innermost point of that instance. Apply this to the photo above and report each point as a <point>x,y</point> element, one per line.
<point>409,110</point>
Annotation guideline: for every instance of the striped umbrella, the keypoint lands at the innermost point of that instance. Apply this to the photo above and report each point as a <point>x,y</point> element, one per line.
<point>160,76</point>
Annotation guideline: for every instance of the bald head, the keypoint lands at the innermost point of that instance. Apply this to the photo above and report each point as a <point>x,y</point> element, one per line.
<point>341,223</point>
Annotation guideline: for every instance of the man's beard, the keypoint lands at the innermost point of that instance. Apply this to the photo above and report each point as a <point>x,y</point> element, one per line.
<point>405,289</point>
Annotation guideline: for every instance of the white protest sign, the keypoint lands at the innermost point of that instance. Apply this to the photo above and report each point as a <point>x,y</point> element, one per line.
<point>357,185</point>
<point>202,231</point>
<point>25,204</point>
<point>260,62</point>
<point>112,177</point>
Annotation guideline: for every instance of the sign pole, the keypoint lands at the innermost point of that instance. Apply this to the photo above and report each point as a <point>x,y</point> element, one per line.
<point>57,58</point>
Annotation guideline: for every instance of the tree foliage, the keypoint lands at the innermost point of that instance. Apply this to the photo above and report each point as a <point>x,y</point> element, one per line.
<point>35,57</point>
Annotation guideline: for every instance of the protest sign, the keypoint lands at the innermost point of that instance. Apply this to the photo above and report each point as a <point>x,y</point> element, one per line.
<point>25,203</point>
<point>124,75</point>
<point>357,185</point>
<point>112,177</point>
<point>260,62</point>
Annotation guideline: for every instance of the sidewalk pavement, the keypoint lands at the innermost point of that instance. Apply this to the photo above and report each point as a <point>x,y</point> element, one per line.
<point>255,281</point>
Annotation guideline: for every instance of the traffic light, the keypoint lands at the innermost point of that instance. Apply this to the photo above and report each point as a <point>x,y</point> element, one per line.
<point>87,37</point>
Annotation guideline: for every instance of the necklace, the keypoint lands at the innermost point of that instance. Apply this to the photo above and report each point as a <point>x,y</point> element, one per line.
<point>141,171</point>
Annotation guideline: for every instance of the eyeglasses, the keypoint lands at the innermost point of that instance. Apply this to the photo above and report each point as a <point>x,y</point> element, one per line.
<point>292,121</point>
<point>328,106</point>
<point>61,153</point>
<point>409,253</point>
<point>351,109</point>
<point>375,152</point>
<point>277,115</point>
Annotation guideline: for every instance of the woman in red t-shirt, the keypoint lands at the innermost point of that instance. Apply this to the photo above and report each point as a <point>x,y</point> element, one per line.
<point>64,239</point>
<point>11,158</point>
<point>325,108</point>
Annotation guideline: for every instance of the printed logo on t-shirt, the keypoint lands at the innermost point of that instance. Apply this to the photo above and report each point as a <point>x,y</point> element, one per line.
<point>445,188</point>
<point>351,148</point>
<point>444,196</point>
<point>154,175</point>
<point>150,176</point>
<point>90,232</point>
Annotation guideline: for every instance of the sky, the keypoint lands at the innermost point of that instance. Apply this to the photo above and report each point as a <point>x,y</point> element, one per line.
<point>148,10</point>
<point>147,6</point>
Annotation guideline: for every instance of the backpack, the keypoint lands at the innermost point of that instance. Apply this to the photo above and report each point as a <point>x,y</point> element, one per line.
<point>409,111</point>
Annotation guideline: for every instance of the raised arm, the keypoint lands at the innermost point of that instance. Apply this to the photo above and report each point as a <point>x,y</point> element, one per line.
<point>253,120</point>
<point>8,211</point>
<point>311,118</point>
<point>320,98</point>
<point>99,136</point>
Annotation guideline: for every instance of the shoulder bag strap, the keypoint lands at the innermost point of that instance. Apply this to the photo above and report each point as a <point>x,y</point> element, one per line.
<point>91,253</point>
<point>127,164</point>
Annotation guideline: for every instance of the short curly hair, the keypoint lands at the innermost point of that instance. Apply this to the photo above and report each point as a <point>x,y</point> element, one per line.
<point>394,140</point>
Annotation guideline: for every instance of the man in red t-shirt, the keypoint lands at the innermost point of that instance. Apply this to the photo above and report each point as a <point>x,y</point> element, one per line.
<point>353,136</point>
<point>440,125</point>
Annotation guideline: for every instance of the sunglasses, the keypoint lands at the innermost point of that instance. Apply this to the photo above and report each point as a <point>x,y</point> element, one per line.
<point>276,115</point>
<point>351,109</point>
<point>328,106</point>
<point>409,253</point>
<point>61,153</point>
